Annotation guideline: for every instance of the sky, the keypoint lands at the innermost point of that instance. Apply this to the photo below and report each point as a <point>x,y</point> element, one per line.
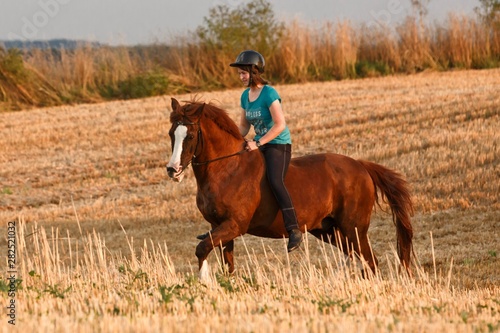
<point>145,21</point>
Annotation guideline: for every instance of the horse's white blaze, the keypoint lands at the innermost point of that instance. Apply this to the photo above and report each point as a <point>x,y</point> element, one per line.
<point>204,271</point>
<point>180,134</point>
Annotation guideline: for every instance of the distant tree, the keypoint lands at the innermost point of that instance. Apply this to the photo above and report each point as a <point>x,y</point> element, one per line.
<point>251,25</point>
<point>420,6</point>
<point>489,12</point>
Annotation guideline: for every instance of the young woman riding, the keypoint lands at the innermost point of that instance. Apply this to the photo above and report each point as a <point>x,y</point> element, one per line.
<point>261,108</point>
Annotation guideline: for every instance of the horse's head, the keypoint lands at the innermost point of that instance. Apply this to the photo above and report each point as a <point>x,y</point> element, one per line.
<point>185,137</point>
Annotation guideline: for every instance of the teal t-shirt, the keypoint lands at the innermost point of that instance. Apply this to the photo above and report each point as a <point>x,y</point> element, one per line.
<point>259,115</point>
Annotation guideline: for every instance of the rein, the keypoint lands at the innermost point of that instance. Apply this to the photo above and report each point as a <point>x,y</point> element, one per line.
<point>200,138</point>
<point>216,159</point>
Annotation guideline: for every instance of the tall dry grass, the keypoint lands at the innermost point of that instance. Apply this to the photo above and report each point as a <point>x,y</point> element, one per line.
<point>82,72</point>
<point>78,285</point>
<point>305,53</point>
<point>465,44</point>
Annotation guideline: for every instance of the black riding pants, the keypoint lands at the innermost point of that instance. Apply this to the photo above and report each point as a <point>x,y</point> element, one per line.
<point>277,158</point>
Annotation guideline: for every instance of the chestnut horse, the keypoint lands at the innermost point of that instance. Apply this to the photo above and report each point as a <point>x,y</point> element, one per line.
<point>333,195</point>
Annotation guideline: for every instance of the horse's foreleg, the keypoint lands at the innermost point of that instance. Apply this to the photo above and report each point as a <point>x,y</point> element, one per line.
<point>223,236</point>
<point>226,252</point>
<point>227,255</point>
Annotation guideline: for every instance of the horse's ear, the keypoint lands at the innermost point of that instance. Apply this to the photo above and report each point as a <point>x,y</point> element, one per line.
<point>175,105</point>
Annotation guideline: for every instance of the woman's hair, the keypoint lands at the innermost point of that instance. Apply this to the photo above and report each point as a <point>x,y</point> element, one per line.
<point>255,76</point>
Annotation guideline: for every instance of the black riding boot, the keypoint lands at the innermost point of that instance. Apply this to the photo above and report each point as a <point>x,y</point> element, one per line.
<point>292,227</point>
<point>294,239</point>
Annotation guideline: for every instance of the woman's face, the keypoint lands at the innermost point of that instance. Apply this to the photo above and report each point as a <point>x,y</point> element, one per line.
<point>244,76</point>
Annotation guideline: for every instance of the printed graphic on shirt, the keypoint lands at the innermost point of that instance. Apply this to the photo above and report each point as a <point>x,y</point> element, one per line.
<point>259,119</point>
<point>260,128</point>
<point>252,114</point>
<point>259,115</point>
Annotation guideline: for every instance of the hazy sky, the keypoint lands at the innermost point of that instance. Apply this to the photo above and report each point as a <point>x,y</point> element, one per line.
<point>143,21</point>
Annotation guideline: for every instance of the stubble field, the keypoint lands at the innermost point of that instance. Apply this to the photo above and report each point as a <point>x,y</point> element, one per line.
<point>105,242</point>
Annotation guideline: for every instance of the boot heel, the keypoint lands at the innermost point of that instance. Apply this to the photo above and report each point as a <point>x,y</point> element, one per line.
<point>295,238</point>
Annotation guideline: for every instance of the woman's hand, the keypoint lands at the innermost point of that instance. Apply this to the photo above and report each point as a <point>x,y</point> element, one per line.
<point>251,145</point>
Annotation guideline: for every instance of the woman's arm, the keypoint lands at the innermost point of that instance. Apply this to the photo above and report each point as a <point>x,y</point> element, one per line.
<point>244,125</point>
<point>279,122</point>
<point>278,127</point>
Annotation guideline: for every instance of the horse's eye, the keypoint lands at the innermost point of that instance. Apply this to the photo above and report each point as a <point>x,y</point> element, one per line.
<point>190,137</point>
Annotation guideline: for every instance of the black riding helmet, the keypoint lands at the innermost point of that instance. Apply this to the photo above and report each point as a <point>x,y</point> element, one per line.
<point>250,58</point>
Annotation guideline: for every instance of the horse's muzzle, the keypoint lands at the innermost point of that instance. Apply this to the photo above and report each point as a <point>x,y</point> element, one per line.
<point>171,171</point>
<point>175,174</point>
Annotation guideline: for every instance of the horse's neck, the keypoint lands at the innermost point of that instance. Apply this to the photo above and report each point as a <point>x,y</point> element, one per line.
<point>217,143</point>
<point>221,146</point>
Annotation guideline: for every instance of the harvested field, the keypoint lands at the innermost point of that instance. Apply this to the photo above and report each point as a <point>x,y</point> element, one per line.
<point>105,242</point>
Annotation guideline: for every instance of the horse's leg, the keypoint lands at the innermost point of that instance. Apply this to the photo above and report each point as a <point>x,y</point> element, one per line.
<point>367,254</point>
<point>228,256</point>
<point>349,244</point>
<point>206,234</point>
<point>223,235</point>
<point>203,236</point>
<point>353,240</point>
<point>226,252</point>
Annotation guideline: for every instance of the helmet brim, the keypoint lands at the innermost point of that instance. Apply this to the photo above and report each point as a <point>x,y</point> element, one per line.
<point>237,64</point>
<point>240,65</point>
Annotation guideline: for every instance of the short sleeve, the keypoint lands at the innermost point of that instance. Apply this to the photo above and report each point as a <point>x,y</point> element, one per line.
<point>272,95</point>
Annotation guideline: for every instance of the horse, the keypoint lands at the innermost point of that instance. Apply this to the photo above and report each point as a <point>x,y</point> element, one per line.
<point>333,194</point>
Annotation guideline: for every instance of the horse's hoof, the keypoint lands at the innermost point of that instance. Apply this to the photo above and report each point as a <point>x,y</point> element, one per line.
<point>203,236</point>
<point>294,239</point>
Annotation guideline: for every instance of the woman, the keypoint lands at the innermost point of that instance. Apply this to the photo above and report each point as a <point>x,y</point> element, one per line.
<point>261,108</point>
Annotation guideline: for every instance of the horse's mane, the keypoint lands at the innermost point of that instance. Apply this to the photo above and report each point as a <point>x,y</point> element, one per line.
<point>217,115</point>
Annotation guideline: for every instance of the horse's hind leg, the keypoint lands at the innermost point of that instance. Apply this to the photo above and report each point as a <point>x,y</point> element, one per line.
<point>367,254</point>
<point>350,245</point>
<point>357,243</point>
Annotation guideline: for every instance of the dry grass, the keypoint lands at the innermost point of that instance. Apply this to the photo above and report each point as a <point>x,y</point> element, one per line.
<point>100,217</point>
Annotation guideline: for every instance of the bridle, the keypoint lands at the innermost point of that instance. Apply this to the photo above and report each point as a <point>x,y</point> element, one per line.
<point>200,139</point>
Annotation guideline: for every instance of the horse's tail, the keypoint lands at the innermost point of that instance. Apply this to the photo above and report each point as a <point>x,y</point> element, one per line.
<point>395,192</point>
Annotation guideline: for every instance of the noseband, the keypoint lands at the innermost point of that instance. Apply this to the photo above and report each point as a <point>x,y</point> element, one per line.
<point>200,138</point>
